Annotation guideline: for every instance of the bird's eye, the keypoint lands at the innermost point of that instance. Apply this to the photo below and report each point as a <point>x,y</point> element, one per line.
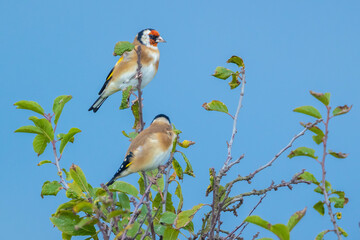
<point>153,37</point>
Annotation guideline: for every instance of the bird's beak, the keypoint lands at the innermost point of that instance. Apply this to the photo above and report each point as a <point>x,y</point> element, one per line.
<point>160,39</point>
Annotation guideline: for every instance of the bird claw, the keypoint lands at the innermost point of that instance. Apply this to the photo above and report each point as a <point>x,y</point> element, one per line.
<point>162,169</point>
<point>138,75</point>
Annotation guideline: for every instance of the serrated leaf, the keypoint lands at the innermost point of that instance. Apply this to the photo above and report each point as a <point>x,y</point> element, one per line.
<point>40,143</point>
<point>319,206</point>
<point>29,129</point>
<point>308,110</point>
<point>178,169</point>
<point>295,218</point>
<point>338,154</point>
<point>84,206</point>
<point>338,202</point>
<point>237,60</point>
<point>29,105</point>
<point>178,193</point>
<point>222,73</point>
<point>279,230</point>
<point>79,178</point>
<point>322,97</point>
<point>123,46</point>
<point>215,105</point>
<point>50,188</point>
<point>188,170</point>
<point>124,187</point>
<point>309,177</point>
<point>135,112</point>
<point>67,137</point>
<point>44,162</point>
<point>124,200</point>
<point>168,217</point>
<point>59,104</point>
<point>170,233</point>
<point>341,110</point>
<point>185,143</point>
<point>45,127</point>
<point>303,151</point>
<point>185,217</point>
<point>234,81</point>
<point>125,98</point>
<point>66,221</point>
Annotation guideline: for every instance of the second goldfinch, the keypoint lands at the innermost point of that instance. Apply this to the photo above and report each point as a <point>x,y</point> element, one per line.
<point>124,74</point>
<point>149,149</point>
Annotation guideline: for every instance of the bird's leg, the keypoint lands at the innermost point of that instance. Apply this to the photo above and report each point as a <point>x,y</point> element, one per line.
<point>138,75</point>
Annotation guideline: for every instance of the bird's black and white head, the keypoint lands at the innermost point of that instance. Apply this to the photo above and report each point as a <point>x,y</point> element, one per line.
<point>149,37</point>
<point>161,118</point>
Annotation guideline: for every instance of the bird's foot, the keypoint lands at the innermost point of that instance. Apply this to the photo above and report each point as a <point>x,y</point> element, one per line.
<point>162,169</point>
<point>138,75</point>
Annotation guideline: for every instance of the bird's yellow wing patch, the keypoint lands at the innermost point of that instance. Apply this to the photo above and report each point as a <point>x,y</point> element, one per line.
<point>127,165</point>
<point>112,70</point>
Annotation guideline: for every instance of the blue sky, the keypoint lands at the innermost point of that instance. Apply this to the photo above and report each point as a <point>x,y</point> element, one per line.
<point>51,48</point>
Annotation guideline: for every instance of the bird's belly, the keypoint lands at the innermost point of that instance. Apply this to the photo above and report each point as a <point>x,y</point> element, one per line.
<point>159,159</point>
<point>148,73</point>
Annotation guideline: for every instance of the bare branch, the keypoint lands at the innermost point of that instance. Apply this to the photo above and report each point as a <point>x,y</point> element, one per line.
<point>139,77</point>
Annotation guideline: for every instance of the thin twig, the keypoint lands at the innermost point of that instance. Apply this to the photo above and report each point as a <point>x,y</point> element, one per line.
<point>139,77</point>
<point>323,184</point>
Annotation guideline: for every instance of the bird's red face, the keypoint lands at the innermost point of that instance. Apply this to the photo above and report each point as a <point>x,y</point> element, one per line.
<point>155,38</point>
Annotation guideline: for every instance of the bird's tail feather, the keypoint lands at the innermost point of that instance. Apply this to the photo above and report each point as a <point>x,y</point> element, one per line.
<point>116,176</point>
<point>97,104</point>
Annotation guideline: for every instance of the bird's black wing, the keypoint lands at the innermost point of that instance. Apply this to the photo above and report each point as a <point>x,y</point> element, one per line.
<point>124,166</point>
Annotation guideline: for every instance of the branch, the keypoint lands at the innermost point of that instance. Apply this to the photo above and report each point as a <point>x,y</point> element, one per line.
<point>139,77</point>
<point>322,163</point>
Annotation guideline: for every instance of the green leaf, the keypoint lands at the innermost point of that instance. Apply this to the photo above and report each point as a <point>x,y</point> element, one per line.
<point>319,206</point>
<point>84,206</point>
<point>295,218</point>
<point>178,193</point>
<point>342,231</point>
<point>45,127</point>
<point>44,162</point>
<point>40,143</point>
<point>124,187</point>
<point>131,135</point>
<point>50,188</point>
<point>168,217</point>
<point>178,169</point>
<point>68,205</point>
<point>279,230</point>
<point>116,213</point>
<point>211,185</point>
<point>324,98</point>
<point>321,235</point>
<point>67,137</point>
<point>159,229</point>
<point>308,110</point>
<point>66,221</point>
<point>341,194</point>
<point>303,151</point>
<point>338,202</point>
<point>170,233</point>
<point>126,98</point>
<point>318,139</point>
<point>29,129</point>
<point>185,143</point>
<point>341,110</point>
<point>159,182</point>
<point>124,200</point>
<point>185,217</point>
<point>234,82</point>
<point>66,236</point>
<point>237,60</point>
<point>123,46</point>
<point>188,170</point>
<point>328,186</point>
<point>67,174</point>
<point>141,184</point>
<point>222,73</point>
<point>133,230</point>
<point>58,106</point>
<point>309,177</point>
<point>135,112</point>
<point>215,105</point>
<point>29,105</point>
<point>85,221</point>
<point>79,178</point>
<point>74,191</point>
<point>338,154</point>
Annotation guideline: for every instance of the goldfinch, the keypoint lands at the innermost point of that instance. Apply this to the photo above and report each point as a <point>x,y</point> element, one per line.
<point>124,72</point>
<point>149,149</point>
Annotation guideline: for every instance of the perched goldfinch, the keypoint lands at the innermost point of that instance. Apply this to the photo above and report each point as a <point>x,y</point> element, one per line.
<point>124,74</point>
<point>149,149</point>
